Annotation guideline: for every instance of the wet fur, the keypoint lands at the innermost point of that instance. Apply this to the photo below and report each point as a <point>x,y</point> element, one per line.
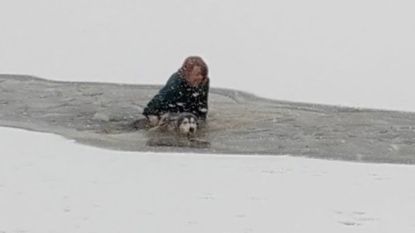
<point>168,132</point>
<point>184,124</point>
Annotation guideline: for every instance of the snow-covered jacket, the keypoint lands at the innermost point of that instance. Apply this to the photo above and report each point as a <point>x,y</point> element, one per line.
<point>178,96</point>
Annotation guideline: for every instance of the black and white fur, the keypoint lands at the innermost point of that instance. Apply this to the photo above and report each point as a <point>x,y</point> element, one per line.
<point>185,124</point>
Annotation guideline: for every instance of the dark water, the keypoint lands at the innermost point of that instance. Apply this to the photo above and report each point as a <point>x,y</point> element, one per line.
<point>102,115</point>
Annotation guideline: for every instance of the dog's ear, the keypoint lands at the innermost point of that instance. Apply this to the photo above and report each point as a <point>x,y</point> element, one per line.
<point>195,118</point>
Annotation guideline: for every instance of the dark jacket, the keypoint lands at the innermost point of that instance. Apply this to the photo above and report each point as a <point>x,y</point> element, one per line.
<point>178,96</point>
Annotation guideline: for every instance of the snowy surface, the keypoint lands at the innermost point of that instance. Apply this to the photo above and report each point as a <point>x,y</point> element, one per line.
<point>354,53</point>
<point>50,184</point>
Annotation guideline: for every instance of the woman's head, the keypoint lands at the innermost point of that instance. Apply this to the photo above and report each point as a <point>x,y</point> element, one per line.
<point>194,70</point>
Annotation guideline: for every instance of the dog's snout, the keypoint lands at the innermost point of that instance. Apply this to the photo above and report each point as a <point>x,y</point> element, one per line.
<point>192,130</point>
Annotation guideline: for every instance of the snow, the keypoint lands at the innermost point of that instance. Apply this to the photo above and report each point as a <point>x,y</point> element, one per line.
<point>50,184</point>
<point>355,53</point>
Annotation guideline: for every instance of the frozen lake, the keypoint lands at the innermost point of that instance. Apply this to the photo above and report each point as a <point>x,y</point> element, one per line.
<point>238,123</point>
<point>351,53</point>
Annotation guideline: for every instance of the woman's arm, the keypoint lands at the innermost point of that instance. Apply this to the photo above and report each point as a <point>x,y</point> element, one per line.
<point>167,95</point>
<point>203,106</point>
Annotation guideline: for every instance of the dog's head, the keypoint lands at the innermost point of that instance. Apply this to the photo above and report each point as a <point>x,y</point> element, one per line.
<point>187,124</point>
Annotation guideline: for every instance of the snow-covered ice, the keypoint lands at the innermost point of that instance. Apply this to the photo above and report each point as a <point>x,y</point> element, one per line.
<point>50,184</point>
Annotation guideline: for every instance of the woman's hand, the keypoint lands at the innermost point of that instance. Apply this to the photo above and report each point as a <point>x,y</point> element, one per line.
<point>153,120</point>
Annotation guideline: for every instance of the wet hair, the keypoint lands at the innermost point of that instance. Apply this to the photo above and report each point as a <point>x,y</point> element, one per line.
<point>191,62</point>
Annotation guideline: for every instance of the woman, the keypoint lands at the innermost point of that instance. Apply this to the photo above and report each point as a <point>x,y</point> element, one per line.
<point>186,91</point>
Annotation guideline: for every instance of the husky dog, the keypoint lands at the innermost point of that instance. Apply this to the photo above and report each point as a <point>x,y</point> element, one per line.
<point>185,123</point>
<point>178,130</point>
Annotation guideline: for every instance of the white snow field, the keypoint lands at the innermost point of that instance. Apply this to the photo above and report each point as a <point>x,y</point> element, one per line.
<point>49,184</point>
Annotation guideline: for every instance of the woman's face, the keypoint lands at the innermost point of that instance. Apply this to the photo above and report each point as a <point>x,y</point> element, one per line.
<point>195,76</point>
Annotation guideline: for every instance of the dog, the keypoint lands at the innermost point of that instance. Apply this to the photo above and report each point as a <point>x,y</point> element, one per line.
<point>178,130</point>
<point>184,124</point>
